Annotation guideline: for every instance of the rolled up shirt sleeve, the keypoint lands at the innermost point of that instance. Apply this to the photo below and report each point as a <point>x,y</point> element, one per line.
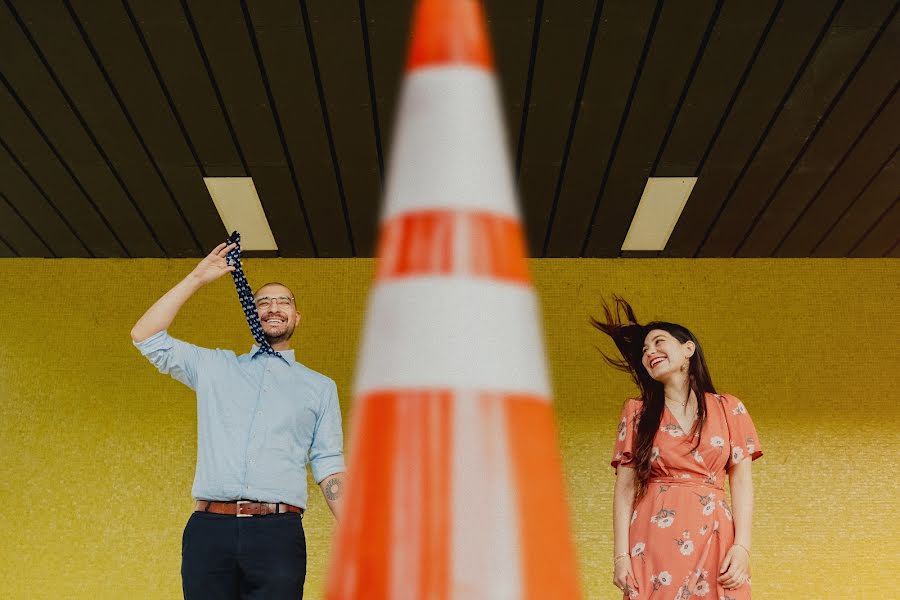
<point>326,452</point>
<point>173,357</point>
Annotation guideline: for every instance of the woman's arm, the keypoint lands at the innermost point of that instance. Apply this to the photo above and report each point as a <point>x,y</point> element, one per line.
<point>623,505</point>
<point>736,566</point>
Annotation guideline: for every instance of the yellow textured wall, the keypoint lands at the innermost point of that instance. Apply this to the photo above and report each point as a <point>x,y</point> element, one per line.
<point>97,449</point>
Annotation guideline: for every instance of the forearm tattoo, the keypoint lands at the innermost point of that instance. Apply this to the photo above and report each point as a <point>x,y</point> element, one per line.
<point>334,487</point>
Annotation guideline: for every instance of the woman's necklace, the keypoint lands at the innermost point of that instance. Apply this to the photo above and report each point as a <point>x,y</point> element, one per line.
<point>686,417</point>
<point>683,403</point>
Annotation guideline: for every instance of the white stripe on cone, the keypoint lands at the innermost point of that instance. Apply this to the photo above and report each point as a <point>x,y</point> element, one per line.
<point>458,161</point>
<point>485,549</point>
<point>452,333</point>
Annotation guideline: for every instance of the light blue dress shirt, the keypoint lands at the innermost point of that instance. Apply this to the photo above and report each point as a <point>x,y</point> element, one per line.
<point>260,419</point>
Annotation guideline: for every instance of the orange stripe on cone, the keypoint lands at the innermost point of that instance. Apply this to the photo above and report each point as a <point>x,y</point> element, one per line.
<point>425,243</point>
<point>548,559</point>
<point>414,440</point>
<point>364,517</point>
<point>449,32</point>
<point>401,444</point>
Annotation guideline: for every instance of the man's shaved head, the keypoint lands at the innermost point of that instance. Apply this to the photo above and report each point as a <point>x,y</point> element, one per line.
<point>273,284</point>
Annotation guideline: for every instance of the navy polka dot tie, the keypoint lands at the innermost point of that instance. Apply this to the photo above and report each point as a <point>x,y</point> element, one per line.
<point>245,295</point>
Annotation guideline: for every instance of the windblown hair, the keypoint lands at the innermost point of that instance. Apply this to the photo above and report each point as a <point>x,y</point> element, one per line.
<point>620,324</point>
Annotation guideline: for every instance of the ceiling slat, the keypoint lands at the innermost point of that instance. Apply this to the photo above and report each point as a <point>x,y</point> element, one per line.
<point>564,36</point>
<point>31,204</point>
<point>17,235</point>
<point>882,237</point>
<point>224,37</point>
<point>339,46</point>
<point>121,48</point>
<point>795,28</point>
<point>673,49</point>
<point>614,59</point>
<point>866,211</point>
<point>26,145</point>
<point>734,38</point>
<point>894,251</point>
<point>511,27</point>
<point>861,164</point>
<point>43,133</point>
<point>856,110</point>
<point>129,191</point>
<point>172,45</point>
<point>388,33</point>
<point>281,36</point>
<point>6,251</point>
<point>795,159</point>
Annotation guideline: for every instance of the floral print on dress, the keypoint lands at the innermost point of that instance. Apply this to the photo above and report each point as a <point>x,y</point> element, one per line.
<point>663,579</point>
<point>701,588</point>
<point>685,545</point>
<point>708,503</point>
<point>664,518</point>
<point>682,527</point>
<point>638,550</point>
<point>673,429</point>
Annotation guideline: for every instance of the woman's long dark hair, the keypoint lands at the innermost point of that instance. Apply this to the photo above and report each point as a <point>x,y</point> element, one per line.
<point>622,326</point>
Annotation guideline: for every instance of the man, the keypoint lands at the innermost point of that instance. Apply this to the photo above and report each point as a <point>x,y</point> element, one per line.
<point>260,418</point>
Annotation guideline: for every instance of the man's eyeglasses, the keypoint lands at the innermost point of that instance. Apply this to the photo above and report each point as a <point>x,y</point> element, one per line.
<point>278,301</point>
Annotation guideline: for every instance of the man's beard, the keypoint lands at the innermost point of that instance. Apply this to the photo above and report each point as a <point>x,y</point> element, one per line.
<point>275,339</point>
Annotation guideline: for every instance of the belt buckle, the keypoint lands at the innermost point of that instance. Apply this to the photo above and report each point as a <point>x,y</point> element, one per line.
<point>238,512</point>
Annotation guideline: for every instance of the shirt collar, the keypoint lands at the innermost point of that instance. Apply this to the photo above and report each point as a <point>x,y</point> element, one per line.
<point>285,355</point>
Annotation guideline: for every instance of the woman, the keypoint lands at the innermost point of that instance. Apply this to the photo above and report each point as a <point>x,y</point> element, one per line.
<point>675,535</point>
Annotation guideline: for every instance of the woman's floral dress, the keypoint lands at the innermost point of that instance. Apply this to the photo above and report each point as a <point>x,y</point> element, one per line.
<point>682,527</point>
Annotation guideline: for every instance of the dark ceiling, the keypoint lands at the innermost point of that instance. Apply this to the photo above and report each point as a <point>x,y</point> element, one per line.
<point>786,110</point>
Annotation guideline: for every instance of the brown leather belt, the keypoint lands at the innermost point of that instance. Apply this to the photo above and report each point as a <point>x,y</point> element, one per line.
<point>246,508</point>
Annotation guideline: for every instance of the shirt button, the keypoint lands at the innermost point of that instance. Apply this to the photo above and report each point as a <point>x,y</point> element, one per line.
<point>259,413</point>
<point>265,389</point>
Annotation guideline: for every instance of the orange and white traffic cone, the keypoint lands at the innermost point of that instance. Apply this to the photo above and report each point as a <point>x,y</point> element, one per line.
<point>455,486</point>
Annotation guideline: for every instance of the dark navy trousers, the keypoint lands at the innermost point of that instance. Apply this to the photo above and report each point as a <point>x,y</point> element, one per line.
<point>225,557</point>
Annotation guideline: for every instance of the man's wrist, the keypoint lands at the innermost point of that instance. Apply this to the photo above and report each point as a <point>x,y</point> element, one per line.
<point>193,281</point>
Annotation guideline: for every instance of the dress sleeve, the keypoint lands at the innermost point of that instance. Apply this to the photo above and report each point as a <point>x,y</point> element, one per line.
<point>741,431</point>
<point>623,454</point>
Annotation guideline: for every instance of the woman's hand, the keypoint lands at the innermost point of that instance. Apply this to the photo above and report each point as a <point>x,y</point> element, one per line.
<point>623,576</point>
<point>215,265</point>
<point>735,570</point>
